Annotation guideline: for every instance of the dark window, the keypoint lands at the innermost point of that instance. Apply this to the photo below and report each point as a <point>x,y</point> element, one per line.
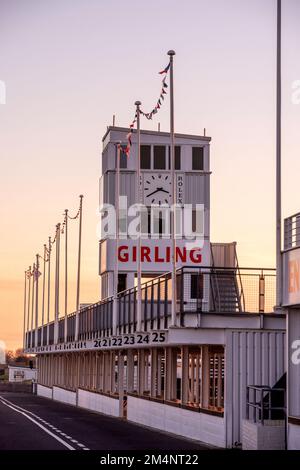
<point>122,282</point>
<point>146,221</point>
<point>123,158</point>
<point>160,224</point>
<point>197,163</point>
<point>159,157</point>
<point>145,157</point>
<point>177,157</point>
<point>196,286</point>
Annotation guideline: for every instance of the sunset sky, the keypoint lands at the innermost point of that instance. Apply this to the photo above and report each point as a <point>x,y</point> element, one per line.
<point>69,65</point>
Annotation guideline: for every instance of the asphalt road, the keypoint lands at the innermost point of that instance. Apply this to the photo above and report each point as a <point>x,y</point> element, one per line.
<point>28,422</point>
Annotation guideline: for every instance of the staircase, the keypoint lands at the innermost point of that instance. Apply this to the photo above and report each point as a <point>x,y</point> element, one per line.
<point>225,291</point>
<point>225,281</point>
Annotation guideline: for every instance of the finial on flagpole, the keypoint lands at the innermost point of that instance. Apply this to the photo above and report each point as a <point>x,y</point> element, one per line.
<point>137,103</point>
<point>171,52</point>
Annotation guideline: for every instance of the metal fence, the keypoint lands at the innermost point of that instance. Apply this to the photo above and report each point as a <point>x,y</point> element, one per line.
<point>205,289</point>
<point>292,231</point>
<point>265,403</point>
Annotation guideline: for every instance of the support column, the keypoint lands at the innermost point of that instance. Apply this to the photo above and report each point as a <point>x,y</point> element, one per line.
<point>185,375</point>
<point>130,370</point>
<point>159,373</point>
<point>141,372</point>
<point>205,377</point>
<point>121,383</point>
<point>153,385</point>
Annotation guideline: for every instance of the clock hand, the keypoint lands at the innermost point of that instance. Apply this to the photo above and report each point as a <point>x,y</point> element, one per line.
<point>156,191</point>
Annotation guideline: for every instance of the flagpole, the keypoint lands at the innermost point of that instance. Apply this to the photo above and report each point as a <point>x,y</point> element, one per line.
<point>32,305</point>
<point>25,305</point>
<point>116,269</point>
<point>37,300</point>
<point>48,288</point>
<point>28,304</point>
<point>43,297</point>
<point>171,53</point>
<point>139,202</point>
<point>78,270</point>
<point>56,309</point>
<point>278,163</point>
<point>66,275</point>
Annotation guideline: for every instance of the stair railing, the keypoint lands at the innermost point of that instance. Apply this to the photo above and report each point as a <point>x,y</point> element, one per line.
<point>241,296</point>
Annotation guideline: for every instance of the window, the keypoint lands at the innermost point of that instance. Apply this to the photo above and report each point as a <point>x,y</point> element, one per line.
<point>145,157</point>
<point>197,158</point>
<point>196,286</point>
<point>123,158</point>
<point>159,224</point>
<point>159,157</point>
<point>177,157</point>
<point>122,282</point>
<point>146,222</point>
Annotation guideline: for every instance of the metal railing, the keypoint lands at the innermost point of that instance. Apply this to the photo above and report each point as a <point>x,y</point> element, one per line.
<point>292,231</point>
<point>263,403</point>
<point>199,290</point>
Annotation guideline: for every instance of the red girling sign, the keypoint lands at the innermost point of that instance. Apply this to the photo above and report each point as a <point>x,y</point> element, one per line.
<point>158,254</point>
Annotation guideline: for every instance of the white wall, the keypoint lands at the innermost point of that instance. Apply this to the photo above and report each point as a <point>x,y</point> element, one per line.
<point>43,391</point>
<point>97,402</point>
<point>19,374</point>
<point>293,437</point>
<point>251,358</point>
<point>65,396</point>
<point>198,426</point>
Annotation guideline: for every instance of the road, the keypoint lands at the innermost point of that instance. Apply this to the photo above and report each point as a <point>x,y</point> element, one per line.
<point>28,422</point>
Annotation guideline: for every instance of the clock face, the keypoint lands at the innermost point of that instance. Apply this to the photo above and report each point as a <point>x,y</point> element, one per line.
<point>157,188</point>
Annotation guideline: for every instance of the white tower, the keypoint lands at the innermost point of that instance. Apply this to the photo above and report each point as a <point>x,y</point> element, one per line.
<point>192,187</point>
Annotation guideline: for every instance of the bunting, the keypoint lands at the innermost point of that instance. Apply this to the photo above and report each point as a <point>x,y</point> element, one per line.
<point>161,96</point>
<point>151,113</point>
<point>28,273</point>
<point>129,135</point>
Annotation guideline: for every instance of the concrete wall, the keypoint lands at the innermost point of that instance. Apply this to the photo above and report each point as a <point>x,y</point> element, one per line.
<point>43,391</point>
<point>198,426</point>
<point>293,437</point>
<point>65,396</point>
<point>97,402</point>
<point>270,436</point>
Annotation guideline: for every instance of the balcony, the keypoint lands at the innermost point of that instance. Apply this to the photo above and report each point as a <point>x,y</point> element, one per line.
<point>200,291</point>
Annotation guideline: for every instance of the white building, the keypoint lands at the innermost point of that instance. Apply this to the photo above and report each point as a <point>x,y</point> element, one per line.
<point>190,378</point>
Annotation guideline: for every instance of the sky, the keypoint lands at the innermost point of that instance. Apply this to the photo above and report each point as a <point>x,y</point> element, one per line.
<point>69,65</point>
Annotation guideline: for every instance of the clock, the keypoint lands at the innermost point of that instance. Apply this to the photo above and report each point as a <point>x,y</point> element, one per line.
<point>157,188</point>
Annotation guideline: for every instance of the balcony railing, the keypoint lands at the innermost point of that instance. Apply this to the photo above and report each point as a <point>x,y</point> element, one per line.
<point>292,232</point>
<point>199,290</point>
<point>265,403</point>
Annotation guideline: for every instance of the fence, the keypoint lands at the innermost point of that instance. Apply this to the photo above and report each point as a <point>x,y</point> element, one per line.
<point>266,403</point>
<point>205,289</point>
<point>292,231</point>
